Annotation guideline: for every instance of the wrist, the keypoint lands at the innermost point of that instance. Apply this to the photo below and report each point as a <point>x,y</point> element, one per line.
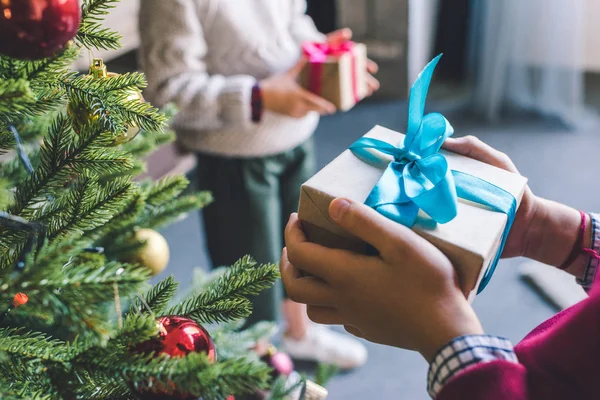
<point>266,94</point>
<point>553,233</point>
<point>257,103</point>
<point>454,321</point>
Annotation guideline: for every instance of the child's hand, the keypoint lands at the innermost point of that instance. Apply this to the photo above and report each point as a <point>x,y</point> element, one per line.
<point>519,237</point>
<point>345,34</point>
<point>282,94</point>
<point>543,230</point>
<point>407,297</point>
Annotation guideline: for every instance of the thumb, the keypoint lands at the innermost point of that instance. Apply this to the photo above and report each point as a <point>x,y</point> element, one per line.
<point>297,69</point>
<point>370,226</point>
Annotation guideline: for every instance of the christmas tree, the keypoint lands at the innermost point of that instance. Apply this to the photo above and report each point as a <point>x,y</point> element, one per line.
<point>77,240</point>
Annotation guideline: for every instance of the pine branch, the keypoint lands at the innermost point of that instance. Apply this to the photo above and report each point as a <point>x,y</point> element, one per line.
<point>15,96</point>
<point>101,387</point>
<point>91,34</point>
<point>15,390</point>
<point>281,390</point>
<point>325,372</point>
<point>165,190</point>
<point>195,375</point>
<point>31,346</point>
<point>42,72</point>
<point>159,296</point>
<point>7,141</point>
<point>86,284</point>
<point>225,299</point>
<point>156,217</point>
<point>118,350</point>
<point>86,206</point>
<point>96,10</point>
<point>58,159</point>
<point>232,342</point>
<point>124,218</point>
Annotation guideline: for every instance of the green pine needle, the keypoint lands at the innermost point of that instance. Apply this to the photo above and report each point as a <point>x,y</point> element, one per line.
<point>225,299</point>
<point>165,190</point>
<point>158,298</point>
<point>15,96</point>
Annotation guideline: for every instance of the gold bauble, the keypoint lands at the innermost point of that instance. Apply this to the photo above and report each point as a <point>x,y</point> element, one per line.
<point>81,115</point>
<point>154,255</point>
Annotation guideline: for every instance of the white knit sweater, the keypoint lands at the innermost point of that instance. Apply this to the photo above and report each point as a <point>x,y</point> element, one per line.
<point>206,55</point>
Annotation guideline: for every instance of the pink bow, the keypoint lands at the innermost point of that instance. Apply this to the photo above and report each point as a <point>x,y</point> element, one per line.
<point>317,54</point>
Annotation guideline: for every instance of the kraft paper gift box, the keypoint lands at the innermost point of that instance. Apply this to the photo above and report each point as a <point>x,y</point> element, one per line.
<point>471,240</point>
<point>336,73</point>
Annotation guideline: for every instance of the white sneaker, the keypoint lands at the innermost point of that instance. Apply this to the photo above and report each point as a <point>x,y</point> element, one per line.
<point>327,347</point>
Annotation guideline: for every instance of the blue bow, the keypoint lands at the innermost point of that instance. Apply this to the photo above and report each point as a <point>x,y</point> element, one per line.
<point>419,178</point>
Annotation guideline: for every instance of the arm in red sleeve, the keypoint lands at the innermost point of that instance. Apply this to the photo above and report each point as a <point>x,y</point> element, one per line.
<point>497,380</point>
<point>558,360</point>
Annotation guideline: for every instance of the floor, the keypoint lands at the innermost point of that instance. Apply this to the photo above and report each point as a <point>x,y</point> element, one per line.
<point>559,166</point>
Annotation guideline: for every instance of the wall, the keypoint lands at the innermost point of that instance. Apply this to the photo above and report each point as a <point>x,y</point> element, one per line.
<point>592,35</point>
<point>383,26</point>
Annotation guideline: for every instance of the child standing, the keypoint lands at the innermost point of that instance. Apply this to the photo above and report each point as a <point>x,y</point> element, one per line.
<point>231,68</point>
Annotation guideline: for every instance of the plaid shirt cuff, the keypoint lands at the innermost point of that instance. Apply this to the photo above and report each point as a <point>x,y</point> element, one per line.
<point>590,271</point>
<point>464,352</point>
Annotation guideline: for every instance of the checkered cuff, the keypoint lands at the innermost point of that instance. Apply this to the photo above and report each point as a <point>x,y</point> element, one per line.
<point>590,271</point>
<point>464,352</point>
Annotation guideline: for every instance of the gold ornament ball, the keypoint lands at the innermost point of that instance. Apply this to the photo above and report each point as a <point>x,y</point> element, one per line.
<point>154,254</point>
<point>81,115</point>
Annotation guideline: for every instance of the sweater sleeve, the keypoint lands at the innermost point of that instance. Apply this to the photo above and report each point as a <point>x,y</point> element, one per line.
<point>302,26</point>
<point>172,54</point>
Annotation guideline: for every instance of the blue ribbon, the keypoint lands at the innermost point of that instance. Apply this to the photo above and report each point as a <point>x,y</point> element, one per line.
<point>419,178</point>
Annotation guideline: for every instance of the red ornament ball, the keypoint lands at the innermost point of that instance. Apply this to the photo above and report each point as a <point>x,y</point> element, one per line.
<point>35,29</point>
<point>178,337</point>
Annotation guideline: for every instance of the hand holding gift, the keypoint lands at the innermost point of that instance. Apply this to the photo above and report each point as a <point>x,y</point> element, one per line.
<point>339,70</point>
<point>407,297</point>
<point>409,181</point>
<point>282,94</point>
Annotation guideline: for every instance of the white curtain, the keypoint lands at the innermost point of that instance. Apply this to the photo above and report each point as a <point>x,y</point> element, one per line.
<point>529,54</point>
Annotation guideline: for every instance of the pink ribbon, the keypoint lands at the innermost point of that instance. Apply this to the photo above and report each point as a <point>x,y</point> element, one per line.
<point>317,54</point>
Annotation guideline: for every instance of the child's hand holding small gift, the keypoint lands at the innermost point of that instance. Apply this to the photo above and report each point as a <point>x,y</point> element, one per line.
<point>407,297</point>
<point>282,94</point>
<point>345,34</point>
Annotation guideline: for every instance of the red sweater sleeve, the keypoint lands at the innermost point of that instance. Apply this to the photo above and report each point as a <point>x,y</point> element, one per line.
<point>558,360</point>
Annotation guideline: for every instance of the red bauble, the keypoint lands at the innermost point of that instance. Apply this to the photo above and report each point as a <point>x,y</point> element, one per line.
<point>35,29</point>
<point>178,337</point>
<point>281,363</point>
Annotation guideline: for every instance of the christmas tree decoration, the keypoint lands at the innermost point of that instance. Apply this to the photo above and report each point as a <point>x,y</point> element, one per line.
<point>73,313</point>
<point>35,29</point>
<point>20,299</point>
<point>313,391</point>
<point>178,337</point>
<point>81,115</point>
<point>154,254</point>
<point>280,363</point>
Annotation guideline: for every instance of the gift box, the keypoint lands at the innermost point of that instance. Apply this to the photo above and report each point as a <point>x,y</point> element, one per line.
<point>338,73</point>
<point>462,206</point>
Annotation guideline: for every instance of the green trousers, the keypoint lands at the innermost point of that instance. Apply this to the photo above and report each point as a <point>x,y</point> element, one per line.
<point>254,198</point>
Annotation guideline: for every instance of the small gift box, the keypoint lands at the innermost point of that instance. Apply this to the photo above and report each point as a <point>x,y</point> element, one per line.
<point>462,206</point>
<point>338,73</point>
